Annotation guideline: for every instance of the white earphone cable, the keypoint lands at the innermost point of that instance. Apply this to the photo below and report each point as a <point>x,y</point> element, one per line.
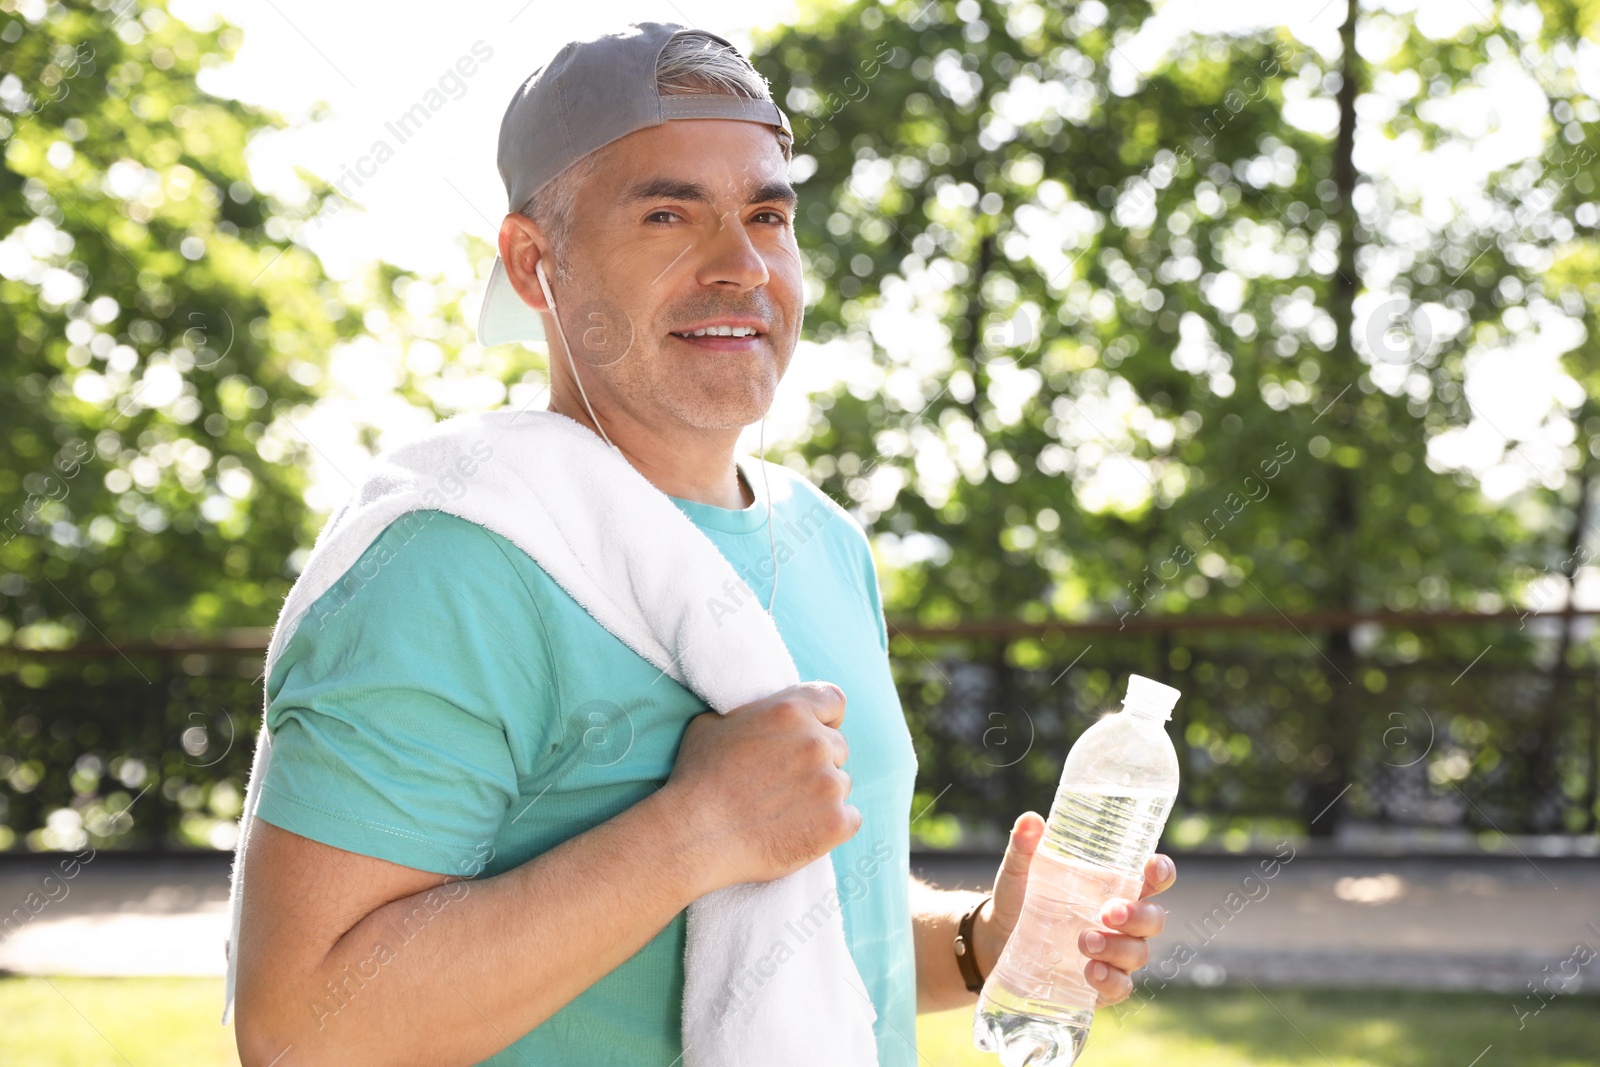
<point>761,457</point>
<point>544,285</point>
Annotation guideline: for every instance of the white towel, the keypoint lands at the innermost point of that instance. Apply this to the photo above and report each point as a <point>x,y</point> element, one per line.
<point>635,562</point>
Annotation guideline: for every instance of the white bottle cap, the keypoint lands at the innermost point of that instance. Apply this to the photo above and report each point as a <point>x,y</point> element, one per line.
<point>1150,698</point>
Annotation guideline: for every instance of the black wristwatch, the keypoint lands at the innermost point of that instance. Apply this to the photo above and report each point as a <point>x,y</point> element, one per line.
<point>966,957</point>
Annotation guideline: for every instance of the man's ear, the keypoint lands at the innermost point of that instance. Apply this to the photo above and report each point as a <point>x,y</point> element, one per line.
<point>522,245</point>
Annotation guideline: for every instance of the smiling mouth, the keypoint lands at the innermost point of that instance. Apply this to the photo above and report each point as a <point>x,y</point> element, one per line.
<point>720,331</point>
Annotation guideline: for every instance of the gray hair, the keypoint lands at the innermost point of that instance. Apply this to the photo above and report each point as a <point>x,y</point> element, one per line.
<point>691,62</point>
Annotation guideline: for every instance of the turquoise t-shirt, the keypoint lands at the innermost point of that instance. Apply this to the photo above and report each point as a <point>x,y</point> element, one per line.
<point>447,706</point>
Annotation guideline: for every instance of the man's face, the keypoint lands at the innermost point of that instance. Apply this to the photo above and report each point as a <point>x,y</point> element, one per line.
<point>685,226</point>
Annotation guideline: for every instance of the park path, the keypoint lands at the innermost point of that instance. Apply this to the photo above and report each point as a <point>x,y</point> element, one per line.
<point>1421,922</point>
<point>115,915</point>
<point>1429,922</point>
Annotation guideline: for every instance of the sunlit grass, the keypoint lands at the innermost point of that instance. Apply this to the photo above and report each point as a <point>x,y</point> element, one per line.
<point>115,1022</point>
<point>1280,1028</point>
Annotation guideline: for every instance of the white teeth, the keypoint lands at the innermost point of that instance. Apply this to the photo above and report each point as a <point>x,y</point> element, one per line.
<point>722,331</point>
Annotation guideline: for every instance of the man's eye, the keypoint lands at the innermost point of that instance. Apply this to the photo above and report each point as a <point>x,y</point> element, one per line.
<point>661,216</point>
<point>773,218</point>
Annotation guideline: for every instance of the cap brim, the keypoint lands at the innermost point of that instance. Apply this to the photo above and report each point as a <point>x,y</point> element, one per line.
<point>504,317</point>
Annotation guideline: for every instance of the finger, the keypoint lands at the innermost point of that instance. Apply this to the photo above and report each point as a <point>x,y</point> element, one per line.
<point>834,743</point>
<point>840,747</point>
<point>1120,951</point>
<point>826,700</point>
<point>1159,874</point>
<point>1137,920</point>
<point>1026,833</point>
<point>1011,884</point>
<point>1111,985</point>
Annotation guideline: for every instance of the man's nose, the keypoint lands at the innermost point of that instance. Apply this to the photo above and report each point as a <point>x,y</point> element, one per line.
<point>731,259</point>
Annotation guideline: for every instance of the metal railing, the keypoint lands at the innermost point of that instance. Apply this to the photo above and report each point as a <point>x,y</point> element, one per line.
<point>1451,722</point>
<point>1456,722</point>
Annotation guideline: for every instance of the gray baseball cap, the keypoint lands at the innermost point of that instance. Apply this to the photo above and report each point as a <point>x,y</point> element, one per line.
<point>592,93</point>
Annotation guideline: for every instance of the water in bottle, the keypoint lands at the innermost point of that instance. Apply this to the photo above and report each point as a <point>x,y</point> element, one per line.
<point>1116,791</point>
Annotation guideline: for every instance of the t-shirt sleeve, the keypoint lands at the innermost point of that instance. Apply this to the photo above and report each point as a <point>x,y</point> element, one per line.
<point>387,708</point>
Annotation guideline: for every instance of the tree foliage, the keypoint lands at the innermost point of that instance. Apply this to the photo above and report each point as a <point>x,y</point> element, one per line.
<point>168,341</point>
<point>1119,343</point>
<point>153,309</point>
<point>1195,346</point>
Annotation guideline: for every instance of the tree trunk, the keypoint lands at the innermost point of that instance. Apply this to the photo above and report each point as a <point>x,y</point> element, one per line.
<point>975,309</point>
<point>1324,798</point>
<point>1544,780</point>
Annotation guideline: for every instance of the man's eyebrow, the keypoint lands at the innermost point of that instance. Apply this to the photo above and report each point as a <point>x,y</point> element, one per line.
<point>775,192</point>
<point>666,189</point>
<point>680,189</point>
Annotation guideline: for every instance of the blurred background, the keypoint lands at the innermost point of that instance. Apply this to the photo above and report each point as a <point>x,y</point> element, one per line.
<point>1251,346</point>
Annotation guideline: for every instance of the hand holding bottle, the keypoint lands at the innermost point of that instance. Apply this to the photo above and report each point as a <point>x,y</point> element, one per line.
<point>1087,871</point>
<point>1123,949</point>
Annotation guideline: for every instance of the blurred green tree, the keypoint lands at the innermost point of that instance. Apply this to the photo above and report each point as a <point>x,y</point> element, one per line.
<point>154,308</point>
<point>168,334</point>
<point>167,329</point>
<point>1190,355</point>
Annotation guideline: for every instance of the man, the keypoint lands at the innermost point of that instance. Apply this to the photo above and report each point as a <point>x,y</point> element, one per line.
<point>459,715</point>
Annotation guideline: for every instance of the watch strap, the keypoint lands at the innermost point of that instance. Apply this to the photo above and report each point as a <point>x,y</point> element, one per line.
<point>966,958</point>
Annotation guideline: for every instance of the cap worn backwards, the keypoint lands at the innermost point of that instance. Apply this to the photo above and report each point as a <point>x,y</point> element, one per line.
<point>592,93</point>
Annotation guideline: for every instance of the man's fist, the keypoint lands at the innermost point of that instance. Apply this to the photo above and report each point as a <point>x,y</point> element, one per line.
<point>761,790</point>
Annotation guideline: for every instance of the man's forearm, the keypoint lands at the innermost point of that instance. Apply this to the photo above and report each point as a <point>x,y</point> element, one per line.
<point>452,979</point>
<point>935,917</point>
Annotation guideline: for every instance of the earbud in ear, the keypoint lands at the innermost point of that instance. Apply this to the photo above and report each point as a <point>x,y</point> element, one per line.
<point>544,285</point>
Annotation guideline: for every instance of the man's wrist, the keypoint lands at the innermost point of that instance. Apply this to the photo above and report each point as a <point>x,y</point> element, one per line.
<point>688,854</point>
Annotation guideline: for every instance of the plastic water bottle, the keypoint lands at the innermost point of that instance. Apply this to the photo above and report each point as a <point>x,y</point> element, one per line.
<point>1116,791</point>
